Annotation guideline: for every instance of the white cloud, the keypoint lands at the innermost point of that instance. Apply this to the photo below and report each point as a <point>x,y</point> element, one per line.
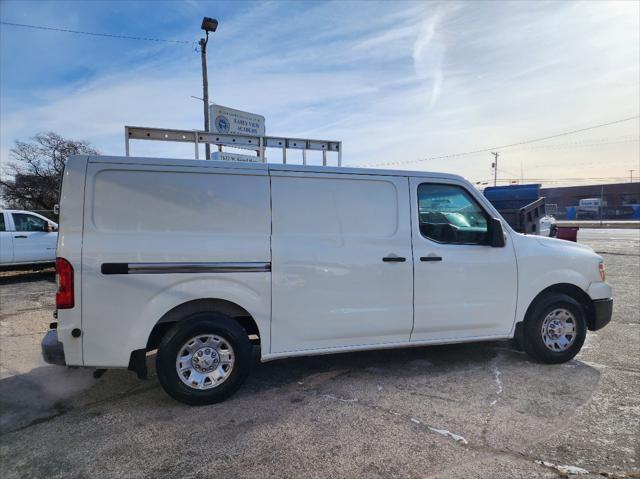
<point>428,54</point>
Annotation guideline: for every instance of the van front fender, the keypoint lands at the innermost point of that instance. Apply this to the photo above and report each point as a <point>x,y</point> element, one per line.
<point>530,286</point>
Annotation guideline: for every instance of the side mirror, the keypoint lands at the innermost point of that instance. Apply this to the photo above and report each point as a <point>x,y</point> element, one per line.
<point>496,235</point>
<point>48,228</point>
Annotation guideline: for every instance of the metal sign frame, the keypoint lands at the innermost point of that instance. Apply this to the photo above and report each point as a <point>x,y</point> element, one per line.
<point>255,143</point>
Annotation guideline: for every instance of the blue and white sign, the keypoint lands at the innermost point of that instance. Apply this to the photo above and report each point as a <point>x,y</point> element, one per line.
<point>222,124</point>
<point>235,122</point>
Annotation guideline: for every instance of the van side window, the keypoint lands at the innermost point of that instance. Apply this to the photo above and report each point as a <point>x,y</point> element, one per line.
<point>25,222</point>
<point>449,214</point>
<point>2,228</point>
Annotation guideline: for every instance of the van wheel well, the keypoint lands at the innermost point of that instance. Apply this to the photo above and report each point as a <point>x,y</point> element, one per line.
<point>572,291</point>
<point>182,311</point>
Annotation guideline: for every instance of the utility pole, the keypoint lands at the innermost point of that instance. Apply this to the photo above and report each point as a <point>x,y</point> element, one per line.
<point>208,25</point>
<point>601,201</point>
<point>521,172</point>
<point>205,90</point>
<point>495,167</point>
<point>631,176</point>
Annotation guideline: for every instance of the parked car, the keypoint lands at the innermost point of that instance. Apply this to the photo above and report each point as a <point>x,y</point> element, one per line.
<point>591,209</point>
<point>591,204</point>
<point>27,239</point>
<point>200,259</point>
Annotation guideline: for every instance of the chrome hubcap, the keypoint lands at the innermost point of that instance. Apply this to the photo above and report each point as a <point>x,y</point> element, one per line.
<point>205,361</point>
<point>559,330</point>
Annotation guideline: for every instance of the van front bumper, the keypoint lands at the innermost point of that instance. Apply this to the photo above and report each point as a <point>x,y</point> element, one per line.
<point>602,309</point>
<point>52,349</point>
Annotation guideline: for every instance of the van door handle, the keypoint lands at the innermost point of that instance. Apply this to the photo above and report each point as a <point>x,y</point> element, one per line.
<point>394,259</point>
<point>430,258</point>
<point>20,236</point>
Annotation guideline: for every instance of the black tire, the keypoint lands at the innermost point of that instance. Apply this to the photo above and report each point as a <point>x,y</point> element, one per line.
<point>532,337</point>
<point>191,327</point>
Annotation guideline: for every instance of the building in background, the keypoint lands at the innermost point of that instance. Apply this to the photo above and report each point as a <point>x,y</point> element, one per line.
<point>613,201</point>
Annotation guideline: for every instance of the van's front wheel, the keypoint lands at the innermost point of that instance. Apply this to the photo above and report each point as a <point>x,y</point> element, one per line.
<point>555,329</point>
<point>203,359</point>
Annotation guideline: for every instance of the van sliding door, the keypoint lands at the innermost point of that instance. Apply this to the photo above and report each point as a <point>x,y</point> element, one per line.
<point>341,261</point>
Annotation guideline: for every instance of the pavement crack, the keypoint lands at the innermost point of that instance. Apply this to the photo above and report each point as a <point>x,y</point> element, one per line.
<point>562,469</point>
<point>497,377</point>
<point>37,421</point>
<point>430,395</point>
<point>62,410</point>
<point>432,429</point>
<point>337,398</point>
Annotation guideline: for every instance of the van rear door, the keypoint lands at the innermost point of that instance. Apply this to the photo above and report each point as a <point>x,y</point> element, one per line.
<point>341,261</point>
<point>158,236</point>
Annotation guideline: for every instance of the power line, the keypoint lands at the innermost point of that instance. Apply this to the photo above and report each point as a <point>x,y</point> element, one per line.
<point>94,34</point>
<point>618,179</point>
<point>585,178</point>
<point>581,144</point>
<point>486,150</point>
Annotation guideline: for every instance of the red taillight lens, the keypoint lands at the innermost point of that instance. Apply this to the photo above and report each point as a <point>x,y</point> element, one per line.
<point>64,276</point>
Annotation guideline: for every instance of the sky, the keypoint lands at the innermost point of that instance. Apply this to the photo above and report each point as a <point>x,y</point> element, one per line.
<point>399,83</point>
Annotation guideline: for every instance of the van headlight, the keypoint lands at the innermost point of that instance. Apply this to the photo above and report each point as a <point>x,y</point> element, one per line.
<point>601,270</point>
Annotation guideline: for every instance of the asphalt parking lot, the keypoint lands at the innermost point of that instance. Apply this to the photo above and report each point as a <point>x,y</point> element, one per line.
<point>474,411</point>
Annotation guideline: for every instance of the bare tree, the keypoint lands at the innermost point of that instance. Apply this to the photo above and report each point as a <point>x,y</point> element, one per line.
<point>36,169</point>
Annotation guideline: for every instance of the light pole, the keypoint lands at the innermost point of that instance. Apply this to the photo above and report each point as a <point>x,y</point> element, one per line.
<point>208,25</point>
<point>495,167</point>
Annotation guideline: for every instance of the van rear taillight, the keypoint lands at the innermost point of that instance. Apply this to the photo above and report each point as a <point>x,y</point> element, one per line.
<point>64,278</point>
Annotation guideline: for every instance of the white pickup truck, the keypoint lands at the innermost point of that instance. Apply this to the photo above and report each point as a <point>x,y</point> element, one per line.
<point>201,259</point>
<point>26,239</point>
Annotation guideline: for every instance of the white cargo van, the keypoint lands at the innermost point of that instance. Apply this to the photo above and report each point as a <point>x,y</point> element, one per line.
<point>200,259</point>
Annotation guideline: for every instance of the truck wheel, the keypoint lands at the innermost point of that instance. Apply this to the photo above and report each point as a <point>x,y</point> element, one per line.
<point>203,359</point>
<point>555,329</point>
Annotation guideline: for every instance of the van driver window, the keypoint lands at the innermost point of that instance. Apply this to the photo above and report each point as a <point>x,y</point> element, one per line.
<point>449,214</point>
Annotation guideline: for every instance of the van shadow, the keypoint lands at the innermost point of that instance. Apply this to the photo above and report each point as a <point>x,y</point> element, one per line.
<point>458,373</point>
<point>17,277</point>
<point>469,379</point>
<point>405,362</point>
<point>50,391</point>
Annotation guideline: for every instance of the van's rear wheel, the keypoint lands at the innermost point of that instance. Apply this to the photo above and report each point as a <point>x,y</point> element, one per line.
<point>555,329</point>
<point>203,359</point>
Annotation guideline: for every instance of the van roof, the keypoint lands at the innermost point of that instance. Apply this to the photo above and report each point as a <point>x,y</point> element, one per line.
<point>130,160</point>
